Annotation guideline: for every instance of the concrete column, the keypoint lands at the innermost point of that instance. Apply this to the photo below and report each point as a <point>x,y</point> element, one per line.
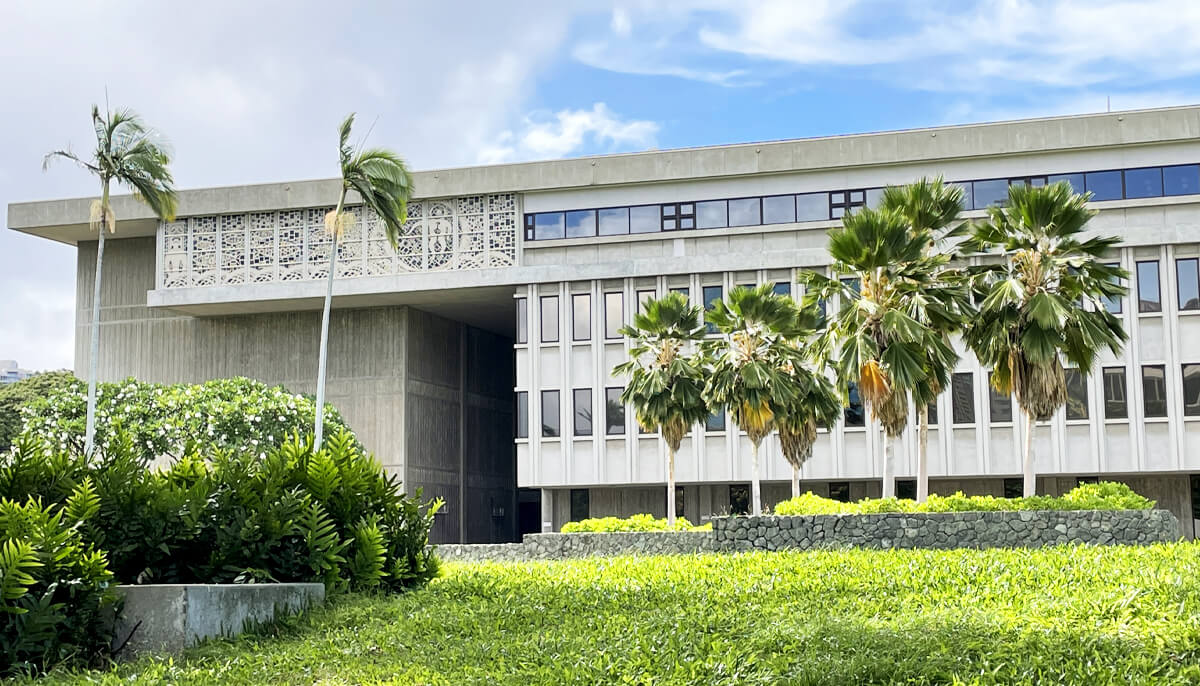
<point>547,510</point>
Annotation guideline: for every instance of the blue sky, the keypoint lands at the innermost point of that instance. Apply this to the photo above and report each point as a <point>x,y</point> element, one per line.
<point>252,92</point>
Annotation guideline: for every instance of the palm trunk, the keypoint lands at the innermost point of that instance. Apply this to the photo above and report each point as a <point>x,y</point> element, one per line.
<point>89,442</point>
<point>795,482</point>
<point>889,483</point>
<point>319,423</point>
<point>670,487</point>
<point>923,453</point>
<point>755,489</point>
<point>1030,480</point>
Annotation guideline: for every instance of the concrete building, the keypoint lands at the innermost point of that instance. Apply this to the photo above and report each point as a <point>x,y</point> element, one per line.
<point>11,373</point>
<point>476,359</point>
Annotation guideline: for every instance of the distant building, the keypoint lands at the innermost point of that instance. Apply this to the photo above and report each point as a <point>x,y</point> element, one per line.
<point>10,372</point>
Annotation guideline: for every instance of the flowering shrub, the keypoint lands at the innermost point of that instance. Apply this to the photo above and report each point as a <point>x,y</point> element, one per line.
<point>14,396</point>
<point>237,414</point>
<point>1106,495</point>
<point>638,522</point>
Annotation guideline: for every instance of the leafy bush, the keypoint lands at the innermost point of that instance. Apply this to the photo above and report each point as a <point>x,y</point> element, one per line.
<point>15,396</point>
<point>230,516</point>
<point>234,414</point>
<point>638,522</point>
<point>54,586</point>
<point>1106,495</point>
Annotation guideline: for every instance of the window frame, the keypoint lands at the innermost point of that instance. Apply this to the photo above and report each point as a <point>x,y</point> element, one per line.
<point>608,425</point>
<point>521,429</point>
<point>954,420</point>
<point>621,317</point>
<point>557,405</point>
<point>1137,272</point>
<point>1105,374</point>
<point>1166,394</point>
<point>1183,381</point>
<point>586,395</point>
<point>575,297</point>
<point>522,334</point>
<point>1195,304</point>
<point>542,320</point>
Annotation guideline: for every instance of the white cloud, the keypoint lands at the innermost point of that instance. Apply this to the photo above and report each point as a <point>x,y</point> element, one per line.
<point>620,23</point>
<point>569,131</point>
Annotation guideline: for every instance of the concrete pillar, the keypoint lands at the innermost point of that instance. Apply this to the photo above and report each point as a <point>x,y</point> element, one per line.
<point>547,510</point>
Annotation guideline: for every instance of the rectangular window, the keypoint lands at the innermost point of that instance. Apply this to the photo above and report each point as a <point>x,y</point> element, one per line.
<point>1116,399</point>
<point>549,304</point>
<point>839,491</point>
<point>581,316</point>
<point>991,192</point>
<point>678,216</point>
<point>842,203</point>
<point>522,320</point>
<point>782,288</point>
<point>853,411</point>
<point>779,209</point>
<point>1077,395</point>
<point>1191,390</point>
<point>712,215</point>
<point>962,398</point>
<point>682,290</point>
<point>1144,183</point>
<point>1075,181</point>
<point>715,421</point>
<point>522,418</point>
<point>1149,299</point>
<point>999,404</point>
<point>614,314</point>
<point>745,212</point>
<point>551,425</point>
<point>581,224</point>
<point>1154,390</point>
<point>643,297</point>
<point>1187,277</point>
<point>582,399</point>
<point>812,207</point>
<point>645,219</point>
<point>1195,484</point>
<point>614,221</point>
<point>547,225</point>
<point>1105,185</point>
<point>739,499</point>
<point>1112,303</point>
<point>932,411</point>
<point>906,489</point>
<point>712,295</point>
<point>1181,180</point>
<point>614,412</point>
<point>968,196</point>
<point>679,501</point>
<point>1014,488</point>
<point>581,505</point>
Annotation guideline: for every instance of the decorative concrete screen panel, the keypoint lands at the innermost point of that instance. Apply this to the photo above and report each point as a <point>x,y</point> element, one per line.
<point>471,232</point>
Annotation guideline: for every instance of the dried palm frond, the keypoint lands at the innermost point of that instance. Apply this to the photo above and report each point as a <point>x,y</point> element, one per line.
<point>755,420</point>
<point>892,413</point>
<point>873,383</point>
<point>796,441</point>
<point>336,224</point>
<point>100,215</point>
<point>1043,388</point>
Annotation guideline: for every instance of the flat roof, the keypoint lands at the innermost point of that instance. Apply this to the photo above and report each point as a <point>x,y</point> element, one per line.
<point>66,220</point>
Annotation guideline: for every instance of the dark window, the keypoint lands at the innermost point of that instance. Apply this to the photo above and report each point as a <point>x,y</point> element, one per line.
<point>779,209</point>
<point>682,290</point>
<point>614,412</point>
<point>1195,483</point>
<point>962,398</point>
<point>1075,181</point>
<point>581,224</point>
<point>839,491</point>
<point>906,489</point>
<point>1112,303</point>
<point>614,314</point>
<point>712,294</point>
<point>842,203</point>
<point>547,225</point>
<point>679,501</point>
<point>1191,390</point>
<point>812,207</point>
<point>1187,276</point>
<point>614,221</point>
<point>551,426</point>
<point>1149,299</point>
<point>1014,488</point>
<point>1105,185</point>
<point>854,409</point>
<point>739,499</point>
<point>782,288</point>
<point>1035,181</point>
<point>678,216</point>
<point>712,215</point>
<point>645,219</point>
<point>1116,399</point>
<point>715,421</point>
<point>581,316</point>
<point>991,192</point>
<point>932,412</point>
<point>1181,180</point>
<point>853,284</point>
<point>643,297</point>
<point>522,427</point>
<point>968,197</point>
<point>1154,390</point>
<point>1077,395</point>
<point>999,404</point>
<point>745,212</point>
<point>1081,480</point>
<point>549,305</point>
<point>1143,183</point>
<point>581,505</point>
<point>522,320</point>
<point>529,218</point>
<point>583,411</point>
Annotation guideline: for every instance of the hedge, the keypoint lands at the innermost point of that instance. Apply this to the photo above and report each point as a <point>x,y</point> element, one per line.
<point>638,522</point>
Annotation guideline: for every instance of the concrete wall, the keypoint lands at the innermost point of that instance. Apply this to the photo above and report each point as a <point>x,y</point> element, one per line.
<point>403,379</point>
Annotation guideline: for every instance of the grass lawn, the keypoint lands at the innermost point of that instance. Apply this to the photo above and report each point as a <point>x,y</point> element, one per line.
<point>1062,615</point>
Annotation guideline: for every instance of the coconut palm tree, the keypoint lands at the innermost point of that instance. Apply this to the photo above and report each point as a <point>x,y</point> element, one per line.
<point>132,155</point>
<point>881,340</point>
<point>1029,319</point>
<point>746,366</point>
<point>665,383</point>
<point>384,185</point>
<point>932,205</point>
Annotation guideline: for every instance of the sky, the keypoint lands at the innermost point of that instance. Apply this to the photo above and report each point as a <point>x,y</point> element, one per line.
<point>251,92</point>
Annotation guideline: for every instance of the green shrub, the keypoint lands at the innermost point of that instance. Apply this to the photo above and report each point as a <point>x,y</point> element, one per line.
<point>638,522</point>
<point>234,414</point>
<point>54,586</point>
<point>15,396</point>
<point>1106,495</point>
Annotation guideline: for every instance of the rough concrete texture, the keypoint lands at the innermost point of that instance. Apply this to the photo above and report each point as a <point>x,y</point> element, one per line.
<point>562,546</point>
<point>166,618</point>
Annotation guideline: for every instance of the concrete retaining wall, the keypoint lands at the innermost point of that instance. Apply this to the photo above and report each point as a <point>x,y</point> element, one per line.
<point>561,546</point>
<point>170,617</point>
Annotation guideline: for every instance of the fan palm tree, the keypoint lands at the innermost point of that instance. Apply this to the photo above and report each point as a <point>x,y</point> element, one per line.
<point>932,205</point>
<point>132,155</point>
<point>816,404</point>
<point>883,344</point>
<point>746,366</point>
<point>1029,320</point>
<point>665,384</point>
<point>384,185</point>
